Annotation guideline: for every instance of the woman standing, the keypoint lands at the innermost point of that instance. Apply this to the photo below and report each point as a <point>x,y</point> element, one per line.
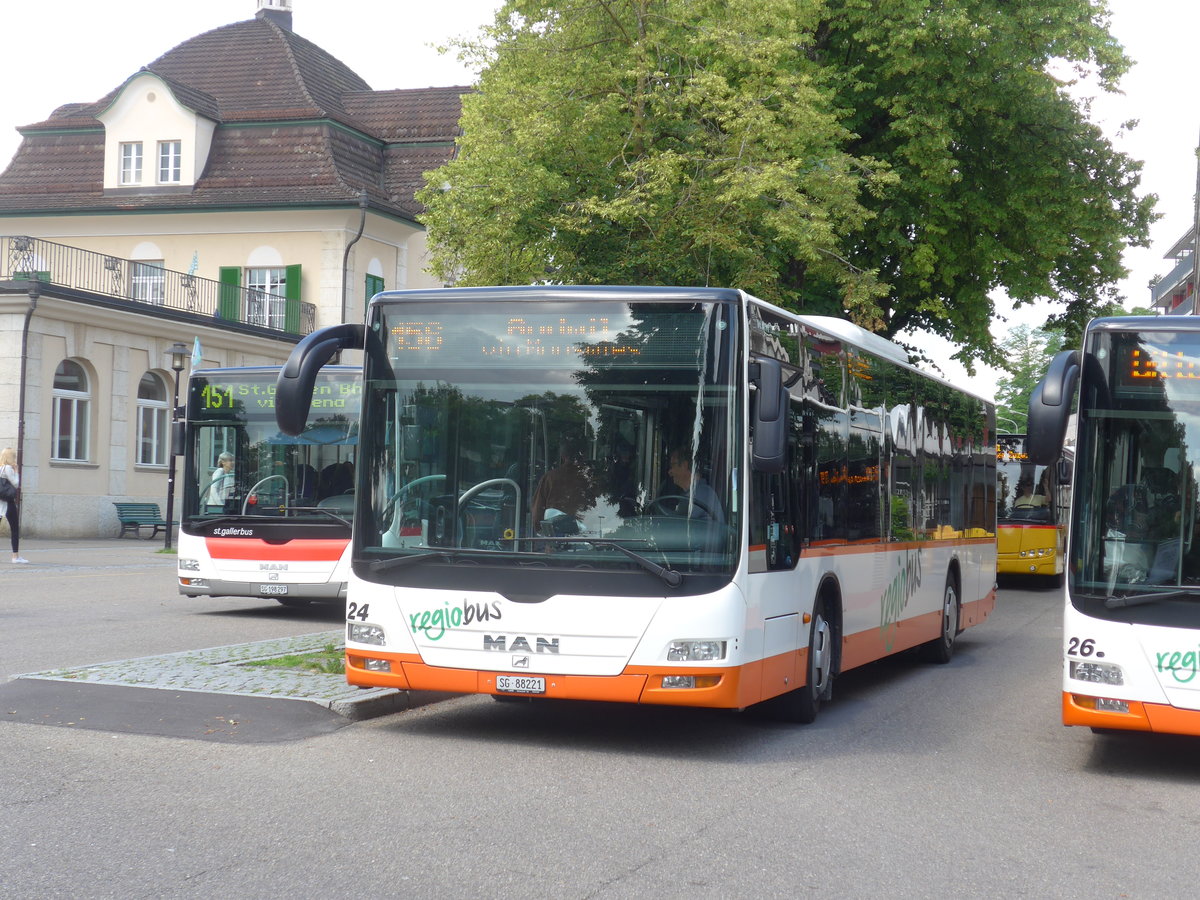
<point>9,508</point>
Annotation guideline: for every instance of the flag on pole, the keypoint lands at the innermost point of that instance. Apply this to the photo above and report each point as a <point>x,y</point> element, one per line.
<point>197,354</point>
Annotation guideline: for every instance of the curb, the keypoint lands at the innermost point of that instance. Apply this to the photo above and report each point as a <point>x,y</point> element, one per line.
<point>223,670</point>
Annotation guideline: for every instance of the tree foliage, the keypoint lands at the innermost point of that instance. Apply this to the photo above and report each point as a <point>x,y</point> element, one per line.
<point>896,161</point>
<point>1027,352</point>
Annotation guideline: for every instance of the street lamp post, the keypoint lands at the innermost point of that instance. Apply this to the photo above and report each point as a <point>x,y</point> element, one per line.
<point>178,353</point>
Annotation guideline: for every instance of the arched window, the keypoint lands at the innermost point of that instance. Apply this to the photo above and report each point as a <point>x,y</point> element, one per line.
<point>71,419</point>
<point>152,421</point>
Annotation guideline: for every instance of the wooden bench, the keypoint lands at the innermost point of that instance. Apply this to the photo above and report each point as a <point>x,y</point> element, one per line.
<point>133,516</point>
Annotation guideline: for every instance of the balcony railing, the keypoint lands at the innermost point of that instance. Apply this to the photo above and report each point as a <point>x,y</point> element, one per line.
<point>138,282</point>
<point>1171,280</point>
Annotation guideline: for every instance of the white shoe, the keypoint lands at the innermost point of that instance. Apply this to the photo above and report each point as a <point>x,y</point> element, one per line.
<point>20,559</point>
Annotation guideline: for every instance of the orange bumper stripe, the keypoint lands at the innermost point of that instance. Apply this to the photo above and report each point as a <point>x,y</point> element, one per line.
<point>737,688</point>
<point>1156,717</point>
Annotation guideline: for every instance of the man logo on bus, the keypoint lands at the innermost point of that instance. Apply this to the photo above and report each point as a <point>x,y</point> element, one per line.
<point>897,595</point>
<point>520,643</point>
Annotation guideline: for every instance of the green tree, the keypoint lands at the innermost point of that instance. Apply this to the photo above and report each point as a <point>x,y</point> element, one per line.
<point>653,142</point>
<point>1027,352</point>
<point>1004,183</point>
<point>896,161</point>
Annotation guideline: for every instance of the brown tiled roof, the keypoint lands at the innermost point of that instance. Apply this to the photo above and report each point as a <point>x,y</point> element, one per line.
<point>416,115</point>
<point>295,125</point>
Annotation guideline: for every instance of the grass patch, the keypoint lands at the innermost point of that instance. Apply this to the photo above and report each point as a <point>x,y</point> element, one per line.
<point>329,660</point>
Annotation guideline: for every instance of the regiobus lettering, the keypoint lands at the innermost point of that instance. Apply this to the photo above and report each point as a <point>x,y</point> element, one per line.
<point>678,496</point>
<point>441,620</point>
<point>897,595</point>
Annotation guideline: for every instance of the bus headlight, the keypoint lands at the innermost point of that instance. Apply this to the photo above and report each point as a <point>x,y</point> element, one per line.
<point>189,565</point>
<point>695,651</point>
<point>365,634</point>
<point>1096,672</point>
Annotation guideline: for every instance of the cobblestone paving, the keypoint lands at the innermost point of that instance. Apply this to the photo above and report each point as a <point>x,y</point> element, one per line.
<point>223,670</point>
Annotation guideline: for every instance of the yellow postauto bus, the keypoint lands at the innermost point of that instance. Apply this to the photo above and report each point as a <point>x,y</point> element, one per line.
<point>1032,502</point>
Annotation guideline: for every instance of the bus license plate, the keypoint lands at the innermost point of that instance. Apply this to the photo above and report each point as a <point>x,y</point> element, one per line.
<point>272,588</point>
<point>520,684</point>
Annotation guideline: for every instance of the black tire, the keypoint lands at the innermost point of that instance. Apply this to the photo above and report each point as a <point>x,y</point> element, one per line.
<point>803,704</point>
<point>941,649</point>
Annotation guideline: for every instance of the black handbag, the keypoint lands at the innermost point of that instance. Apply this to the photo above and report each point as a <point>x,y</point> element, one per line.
<point>8,490</point>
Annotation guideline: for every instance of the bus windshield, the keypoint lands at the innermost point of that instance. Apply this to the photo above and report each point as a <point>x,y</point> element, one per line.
<point>1025,491</point>
<point>1134,549</point>
<point>591,436</point>
<point>240,464</point>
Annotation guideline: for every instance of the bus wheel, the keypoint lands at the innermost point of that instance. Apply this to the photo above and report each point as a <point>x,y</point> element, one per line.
<point>941,648</point>
<point>803,704</point>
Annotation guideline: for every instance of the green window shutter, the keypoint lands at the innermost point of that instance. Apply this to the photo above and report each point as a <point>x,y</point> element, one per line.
<point>291,290</point>
<point>229,302</point>
<point>374,286</point>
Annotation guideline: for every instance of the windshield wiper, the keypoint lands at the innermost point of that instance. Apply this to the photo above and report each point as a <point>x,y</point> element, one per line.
<point>323,511</point>
<point>670,577</point>
<point>400,562</point>
<point>215,520</point>
<point>1115,602</point>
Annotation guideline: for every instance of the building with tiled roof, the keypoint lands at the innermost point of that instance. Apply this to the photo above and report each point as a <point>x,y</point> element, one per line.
<point>242,189</point>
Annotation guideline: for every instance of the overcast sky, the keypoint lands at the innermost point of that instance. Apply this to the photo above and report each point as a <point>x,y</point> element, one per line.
<point>77,50</point>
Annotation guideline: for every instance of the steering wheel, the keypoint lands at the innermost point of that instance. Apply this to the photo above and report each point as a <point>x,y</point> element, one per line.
<point>390,503</point>
<point>676,505</point>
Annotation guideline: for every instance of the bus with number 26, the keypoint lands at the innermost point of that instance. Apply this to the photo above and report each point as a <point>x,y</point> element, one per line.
<point>1131,612</point>
<point>267,514</point>
<point>677,496</point>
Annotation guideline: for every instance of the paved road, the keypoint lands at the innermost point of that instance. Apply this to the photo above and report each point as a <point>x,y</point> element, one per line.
<point>917,781</point>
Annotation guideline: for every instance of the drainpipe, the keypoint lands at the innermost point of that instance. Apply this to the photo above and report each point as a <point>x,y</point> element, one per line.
<point>35,291</point>
<point>362,222</point>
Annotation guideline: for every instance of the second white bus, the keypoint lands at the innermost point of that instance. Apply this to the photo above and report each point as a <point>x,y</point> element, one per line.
<point>266,514</point>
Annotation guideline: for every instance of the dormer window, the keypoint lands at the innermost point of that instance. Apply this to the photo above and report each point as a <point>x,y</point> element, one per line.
<point>169,162</point>
<point>146,125</point>
<point>131,163</point>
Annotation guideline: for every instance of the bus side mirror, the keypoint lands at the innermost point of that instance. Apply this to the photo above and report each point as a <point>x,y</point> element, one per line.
<point>294,386</point>
<point>1050,408</point>
<point>769,453</point>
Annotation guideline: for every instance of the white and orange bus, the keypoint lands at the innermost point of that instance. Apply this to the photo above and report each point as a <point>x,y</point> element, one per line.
<point>1131,612</point>
<point>1032,504</point>
<point>680,496</point>
<point>267,514</point>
